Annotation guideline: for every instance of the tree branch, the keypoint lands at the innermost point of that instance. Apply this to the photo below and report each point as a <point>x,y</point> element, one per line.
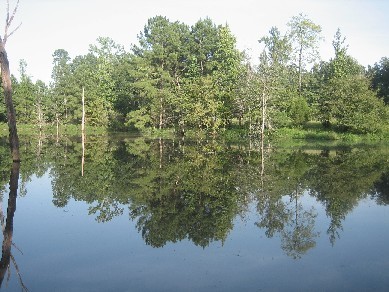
<point>13,13</point>
<point>11,33</point>
<point>24,288</point>
<point>9,22</point>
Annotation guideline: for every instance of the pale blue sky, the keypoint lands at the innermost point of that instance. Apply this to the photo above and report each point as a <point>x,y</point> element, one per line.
<point>75,24</point>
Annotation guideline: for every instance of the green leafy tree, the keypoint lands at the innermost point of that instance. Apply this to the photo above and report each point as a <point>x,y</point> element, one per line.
<point>31,99</point>
<point>344,96</point>
<point>246,103</point>
<point>357,107</point>
<point>229,65</point>
<point>273,74</point>
<point>24,96</point>
<point>183,76</point>
<point>379,76</point>
<point>299,111</point>
<point>199,107</point>
<point>62,104</point>
<point>41,103</point>
<point>126,97</point>
<point>93,72</point>
<point>203,39</point>
<point>160,57</point>
<point>343,65</point>
<point>108,55</point>
<point>305,36</point>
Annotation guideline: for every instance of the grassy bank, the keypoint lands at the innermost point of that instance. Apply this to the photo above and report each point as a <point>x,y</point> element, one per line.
<point>313,132</point>
<point>304,134</point>
<point>68,130</point>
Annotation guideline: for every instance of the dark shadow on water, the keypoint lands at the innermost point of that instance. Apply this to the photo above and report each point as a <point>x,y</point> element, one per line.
<point>7,257</point>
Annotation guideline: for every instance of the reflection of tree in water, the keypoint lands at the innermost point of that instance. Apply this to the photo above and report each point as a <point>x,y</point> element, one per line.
<point>172,193</point>
<point>191,197</point>
<point>298,235</point>
<point>294,224</point>
<point>274,216</point>
<point>341,179</point>
<point>200,218</point>
<point>380,190</point>
<point>106,209</point>
<point>281,211</point>
<point>99,186</point>
<point>7,256</point>
<point>195,191</point>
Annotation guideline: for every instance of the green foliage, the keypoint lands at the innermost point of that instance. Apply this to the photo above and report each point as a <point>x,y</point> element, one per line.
<point>62,105</point>
<point>185,78</point>
<point>199,108</point>
<point>343,96</point>
<point>30,99</point>
<point>305,37</point>
<point>357,107</point>
<point>160,57</point>
<point>138,119</point>
<point>379,76</point>
<point>228,61</point>
<point>273,77</point>
<point>299,111</point>
<point>343,65</point>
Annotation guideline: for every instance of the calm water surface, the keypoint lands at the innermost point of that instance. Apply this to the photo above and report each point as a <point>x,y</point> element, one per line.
<point>155,215</point>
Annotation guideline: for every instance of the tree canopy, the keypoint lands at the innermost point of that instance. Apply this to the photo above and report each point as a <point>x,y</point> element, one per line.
<point>193,77</point>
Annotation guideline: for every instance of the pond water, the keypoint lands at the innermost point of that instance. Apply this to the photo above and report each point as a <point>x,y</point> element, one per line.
<point>130,214</point>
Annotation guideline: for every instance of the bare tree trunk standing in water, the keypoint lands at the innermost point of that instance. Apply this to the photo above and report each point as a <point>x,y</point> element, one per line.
<point>7,86</point>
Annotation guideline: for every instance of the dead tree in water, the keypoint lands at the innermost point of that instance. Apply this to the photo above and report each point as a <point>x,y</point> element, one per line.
<point>7,85</point>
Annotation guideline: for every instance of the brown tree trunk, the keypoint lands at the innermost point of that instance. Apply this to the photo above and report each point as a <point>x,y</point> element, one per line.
<point>11,115</point>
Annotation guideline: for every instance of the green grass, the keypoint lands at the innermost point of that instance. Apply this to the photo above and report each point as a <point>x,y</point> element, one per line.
<point>312,132</point>
<point>321,135</point>
<point>68,130</point>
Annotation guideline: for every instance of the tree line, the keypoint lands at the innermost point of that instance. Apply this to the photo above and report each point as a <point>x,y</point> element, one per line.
<point>193,77</point>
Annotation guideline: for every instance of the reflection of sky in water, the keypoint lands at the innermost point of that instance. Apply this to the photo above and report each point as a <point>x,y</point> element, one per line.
<point>64,249</point>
